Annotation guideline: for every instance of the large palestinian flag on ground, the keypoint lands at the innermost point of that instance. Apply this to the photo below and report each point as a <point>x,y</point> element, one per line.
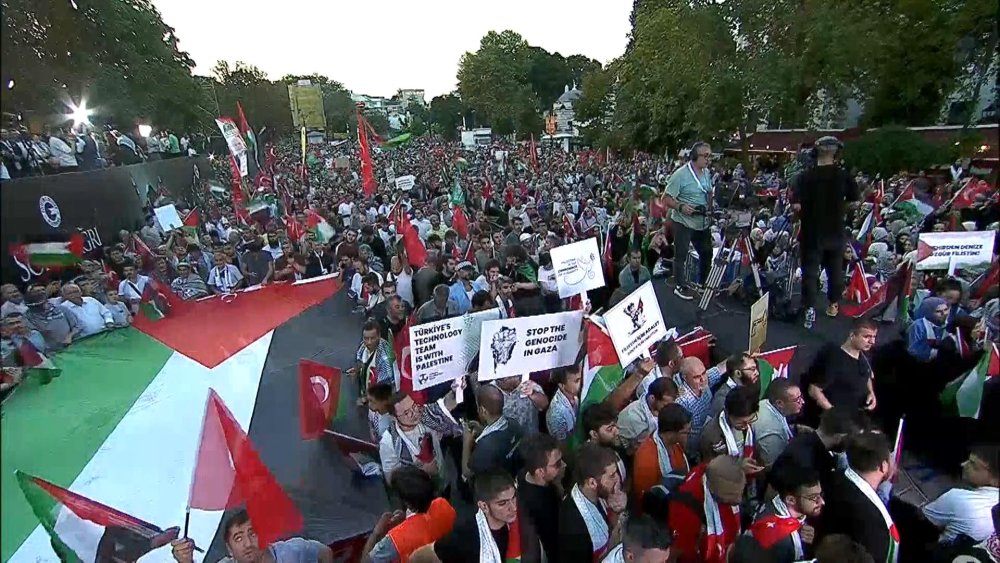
<point>122,424</point>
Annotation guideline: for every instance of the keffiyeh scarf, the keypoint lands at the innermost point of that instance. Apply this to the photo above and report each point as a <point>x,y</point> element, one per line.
<point>488,550</point>
<point>597,526</point>
<point>732,446</point>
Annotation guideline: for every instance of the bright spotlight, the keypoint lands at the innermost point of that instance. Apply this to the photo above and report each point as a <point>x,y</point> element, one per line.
<point>145,130</point>
<point>79,113</point>
<point>10,84</point>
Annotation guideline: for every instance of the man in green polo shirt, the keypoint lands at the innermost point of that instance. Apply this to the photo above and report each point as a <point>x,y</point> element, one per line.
<point>689,190</point>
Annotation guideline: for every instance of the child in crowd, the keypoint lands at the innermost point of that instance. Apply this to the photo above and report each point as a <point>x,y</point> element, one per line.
<point>119,311</point>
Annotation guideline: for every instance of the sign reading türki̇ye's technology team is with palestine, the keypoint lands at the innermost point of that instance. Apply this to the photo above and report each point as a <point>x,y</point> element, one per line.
<point>437,352</point>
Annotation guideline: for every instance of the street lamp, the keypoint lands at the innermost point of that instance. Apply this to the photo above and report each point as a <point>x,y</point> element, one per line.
<point>79,113</point>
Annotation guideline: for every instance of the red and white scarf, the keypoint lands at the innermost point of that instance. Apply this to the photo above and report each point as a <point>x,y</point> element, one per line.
<point>872,497</point>
<point>715,531</point>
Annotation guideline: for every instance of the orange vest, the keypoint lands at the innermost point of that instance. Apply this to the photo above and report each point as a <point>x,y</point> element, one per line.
<point>646,467</point>
<point>423,529</point>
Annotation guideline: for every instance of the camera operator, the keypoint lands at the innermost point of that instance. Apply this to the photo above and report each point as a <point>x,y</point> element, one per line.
<point>688,191</point>
<point>820,195</point>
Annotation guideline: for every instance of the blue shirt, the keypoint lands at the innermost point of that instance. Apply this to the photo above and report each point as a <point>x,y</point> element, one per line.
<point>688,188</point>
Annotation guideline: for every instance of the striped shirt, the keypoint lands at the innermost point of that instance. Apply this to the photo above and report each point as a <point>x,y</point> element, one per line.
<point>699,407</point>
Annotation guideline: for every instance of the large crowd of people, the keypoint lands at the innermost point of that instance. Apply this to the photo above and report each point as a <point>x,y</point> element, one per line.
<point>684,461</point>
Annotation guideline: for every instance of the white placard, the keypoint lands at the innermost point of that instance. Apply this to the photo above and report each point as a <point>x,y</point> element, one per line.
<point>437,352</point>
<point>523,345</point>
<point>936,251</point>
<point>635,323</point>
<point>578,267</point>
<point>758,323</point>
<point>474,329</point>
<point>168,218</point>
<point>405,183</point>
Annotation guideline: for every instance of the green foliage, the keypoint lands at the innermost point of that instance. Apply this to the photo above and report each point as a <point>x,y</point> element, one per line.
<point>889,150</point>
<point>446,115</point>
<point>264,102</point>
<point>119,55</point>
<point>378,121</point>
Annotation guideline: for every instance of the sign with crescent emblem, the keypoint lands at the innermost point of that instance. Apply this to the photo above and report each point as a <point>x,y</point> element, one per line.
<point>321,387</point>
<point>50,211</point>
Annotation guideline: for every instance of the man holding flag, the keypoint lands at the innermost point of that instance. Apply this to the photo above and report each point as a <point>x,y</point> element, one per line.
<point>243,547</point>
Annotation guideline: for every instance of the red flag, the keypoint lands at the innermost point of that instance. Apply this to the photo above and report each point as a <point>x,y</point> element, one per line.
<point>368,184</point>
<point>460,221</point>
<point>229,472</point>
<point>241,122</point>
<point>236,189</point>
<point>426,453</point>
<point>293,229</point>
<point>857,289</point>
<point>697,344</point>
<point>771,529</point>
<point>416,253</point>
<point>192,219</point>
<point>993,369</point>
<point>144,253</point>
<point>349,550</point>
<point>319,397</point>
<point>982,284</point>
<point>966,195</point>
<point>606,257</point>
<point>600,348</point>
<point>487,189</point>
<point>401,349</point>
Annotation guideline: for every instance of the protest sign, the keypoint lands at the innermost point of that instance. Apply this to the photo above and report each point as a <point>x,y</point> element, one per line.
<point>523,345</point>
<point>437,352</point>
<point>577,267</point>
<point>234,140</point>
<point>405,183</point>
<point>342,162</point>
<point>939,251</point>
<point>635,324</point>
<point>474,329</point>
<point>168,218</point>
<point>390,174</point>
<point>758,323</point>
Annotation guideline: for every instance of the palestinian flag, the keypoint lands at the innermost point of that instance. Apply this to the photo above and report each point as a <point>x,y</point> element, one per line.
<point>318,226</point>
<point>964,395</point>
<point>81,529</point>
<point>123,424</point>
<point>55,254</point>
<point>36,363</point>
<point>912,209</point>
<point>191,222</point>
<point>773,365</point>
<point>602,370</point>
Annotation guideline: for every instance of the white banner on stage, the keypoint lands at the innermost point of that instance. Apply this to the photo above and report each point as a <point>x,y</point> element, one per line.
<point>635,323</point>
<point>578,267</point>
<point>437,352</point>
<point>523,345</point>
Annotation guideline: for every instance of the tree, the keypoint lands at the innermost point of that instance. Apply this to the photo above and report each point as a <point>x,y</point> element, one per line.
<point>446,115</point>
<point>494,81</point>
<point>579,66</point>
<point>118,55</point>
<point>337,103</point>
<point>548,75</point>
<point>264,102</point>
<point>378,121</point>
<point>891,149</point>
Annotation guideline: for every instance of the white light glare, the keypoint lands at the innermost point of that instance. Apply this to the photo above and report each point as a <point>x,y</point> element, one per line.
<point>80,114</point>
<point>145,130</point>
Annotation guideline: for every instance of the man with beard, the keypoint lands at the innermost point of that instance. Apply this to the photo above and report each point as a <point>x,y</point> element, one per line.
<point>290,266</point>
<point>348,246</point>
<point>131,287</point>
<point>742,370</point>
<point>772,429</point>
<point>319,262</point>
<point>463,288</point>
<point>257,263</point>
<point>694,385</point>
<point>374,242</point>
<point>731,434</point>
<point>841,376</point>
<point>660,458</point>
<point>439,307</point>
<point>243,547</point>
<point>589,522</point>
<point>495,534</point>
<point>780,525</point>
<point>426,279</point>
<point>540,489</point>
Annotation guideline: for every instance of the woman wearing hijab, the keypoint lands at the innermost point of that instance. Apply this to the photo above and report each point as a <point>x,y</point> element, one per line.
<point>926,336</point>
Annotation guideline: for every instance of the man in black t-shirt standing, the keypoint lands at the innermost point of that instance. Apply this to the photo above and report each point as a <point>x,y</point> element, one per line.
<point>539,488</point>
<point>841,376</point>
<point>821,195</point>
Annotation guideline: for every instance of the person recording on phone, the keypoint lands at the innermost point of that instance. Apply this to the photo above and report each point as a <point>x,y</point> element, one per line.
<point>688,192</point>
<point>820,195</point>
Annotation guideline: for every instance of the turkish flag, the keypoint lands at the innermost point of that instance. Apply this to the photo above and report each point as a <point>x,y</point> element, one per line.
<point>229,472</point>
<point>319,396</point>
<point>402,351</point>
<point>769,530</point>
<point>460,222</point>
<point>426,454</point>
